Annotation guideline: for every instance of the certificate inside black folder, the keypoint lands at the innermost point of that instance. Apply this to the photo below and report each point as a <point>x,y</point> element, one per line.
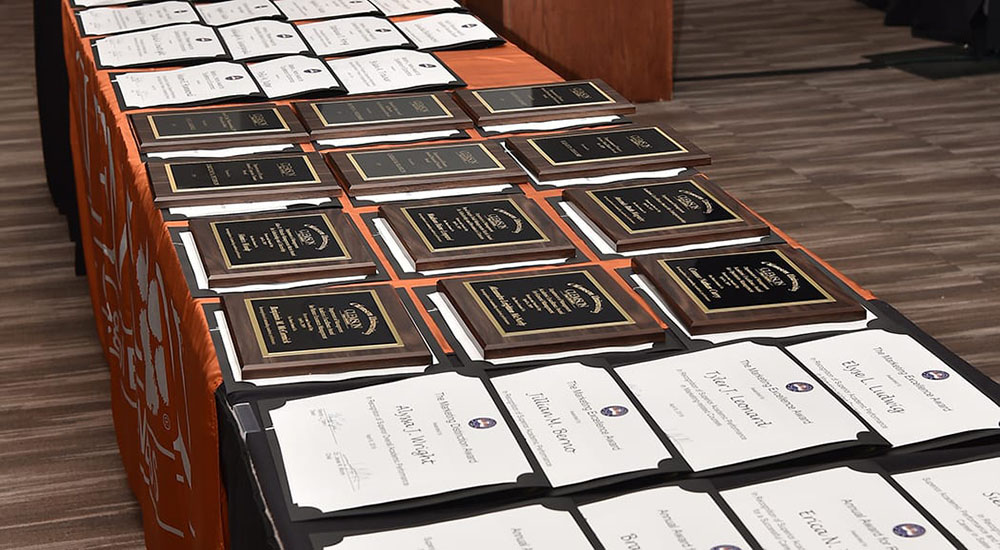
<point>393,71</point>
<point>424,436</point>
<point>207,83</point>
<point>174,44</point>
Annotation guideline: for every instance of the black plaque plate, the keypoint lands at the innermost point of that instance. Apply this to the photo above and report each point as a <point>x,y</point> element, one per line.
<point>381,109</point>
<point>217,127</point>
<point>556,100</point>
<point>606,145</point>
<point>736,289</point>
<point>195,176</point>
<point>418,162</point>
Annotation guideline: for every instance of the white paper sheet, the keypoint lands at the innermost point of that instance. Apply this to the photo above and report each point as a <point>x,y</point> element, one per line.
<point>293,75</point>
<point>300,10</point>
<point>389,71</point>
<point>411,438</point>
<point>434,193</point>
<point>393,8</point>
<point>211,81</point>
<point>446,30</point>
<point>579,423</point>
<point>236,11</point>
<point>96,21</point>
<point>353,34</point>
<point>550,125</point>
<point>531,527</point>
<point>264,38</point>
<point>241,208</point>
<point>903,390</point>
<point>393,138</point>
<point>737,403</point>
<point>173,43</point>
<point>965,498</point>
<point>837,508</point>
<point>661,518</point>
<point>223,153</point>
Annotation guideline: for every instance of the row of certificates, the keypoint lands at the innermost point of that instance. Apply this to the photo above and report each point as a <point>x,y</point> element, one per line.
<point>570,427</point>
<point>125,15</point>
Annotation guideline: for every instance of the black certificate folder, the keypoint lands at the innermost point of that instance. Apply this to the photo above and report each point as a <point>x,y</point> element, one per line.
<point>401,445</point>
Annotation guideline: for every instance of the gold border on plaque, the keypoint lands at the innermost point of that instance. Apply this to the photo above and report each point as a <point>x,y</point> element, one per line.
<point>168,166</point>
<point>248,303</point>
<point>629,320</point>
<point>493,110</point>
<point>432,248</point>
<point>329,224</point>
<point>365,177</point>
<point>681,148</point>
<point>631,231</point>
<point>327,124</point>
<point>156,131</point>
<point>705,309</point>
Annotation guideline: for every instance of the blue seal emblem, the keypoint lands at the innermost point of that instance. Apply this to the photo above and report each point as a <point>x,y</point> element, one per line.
<point>799,387</point>
<point>482,423</point>
<point>935,375</point>
<point>909,530</point>
<point>614,410</point>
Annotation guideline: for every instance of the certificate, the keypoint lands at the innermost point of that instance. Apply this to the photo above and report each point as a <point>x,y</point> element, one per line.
<point>236,11</point>
<point>579,423</point>
<point>391,71</point>
<point>352,35</point>
<point>201,83</point>
<point>838,508</point>
<point>168,44</point>
<point>737,403</point>
<point>115,20</point>
<point>903,390</point>
<point>524,528</point>
<point>964,498</point>
<point>392,8</point>
<point>413,438</point>
<point>665,517</point>
<point>300,10</point>
<point>293,75</point>
<point>257,39</point>
<point>448,30</point>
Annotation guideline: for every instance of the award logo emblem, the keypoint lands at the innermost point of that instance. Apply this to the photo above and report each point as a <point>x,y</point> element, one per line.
<point>482,423</point>
<point>935,375</point>
<point>383,30</point>
<point>909,530</point>
<point>311,71</point>
<point>614,410</point>
<point>283,35</point>
<point>202,39</point>
<point>725,547</point>
<point>234,77</point>
<point>427,65</point>
<point>799,387</point>
<point>469,25</point>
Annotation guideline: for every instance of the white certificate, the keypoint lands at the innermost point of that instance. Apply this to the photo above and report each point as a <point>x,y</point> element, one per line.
<point>293,75</point>
<point>394,70</point>
<point>405,7</point>
<point>665,517</point>
<point>208,82</point>
<point>412,438</point>
<point>737,403</point>
<point>95,3</point>
<point>236,11</point>
<point>115,20</point>
<point>838,508</point>
<point>447,30</point>
<point>579,423</point>
<point>904,391</point>
<point>264,38</point>
<point>173,43</point>
<point>299,10</point>
<point>964,498</point>
<point>353,34</point>
<point>530,527</point>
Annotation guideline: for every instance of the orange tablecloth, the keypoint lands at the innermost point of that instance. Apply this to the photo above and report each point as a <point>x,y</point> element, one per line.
<point>164,370</point>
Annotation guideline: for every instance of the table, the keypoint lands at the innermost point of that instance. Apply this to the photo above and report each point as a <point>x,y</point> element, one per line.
<point>164,369</point>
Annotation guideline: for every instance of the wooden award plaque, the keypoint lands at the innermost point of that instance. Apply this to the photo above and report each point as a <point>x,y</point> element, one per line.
<point>620,150</point>
<point>673,212</point>
<point>469,231</point>
<point>381,115</point>
<point>732,289</point>
<point>192,182</point>
<point>280,247</point>
<point>540,102</point>
<point>296,332</point>
<point>404,169</point>
<point>549,311</point>
<point>217,127</point>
